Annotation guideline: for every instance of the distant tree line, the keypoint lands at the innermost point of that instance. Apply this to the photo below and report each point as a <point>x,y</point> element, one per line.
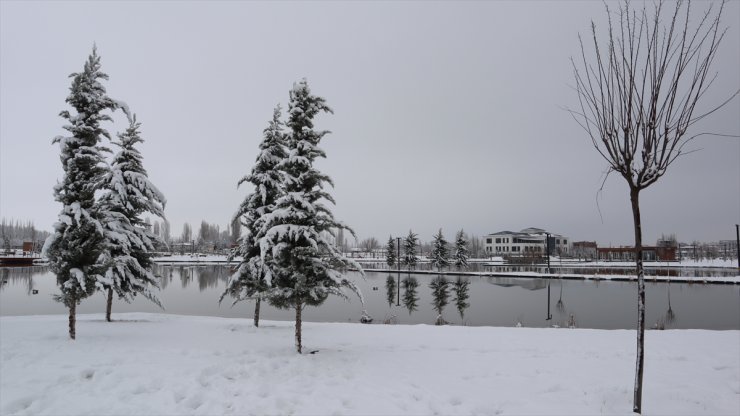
<point>13,233</point>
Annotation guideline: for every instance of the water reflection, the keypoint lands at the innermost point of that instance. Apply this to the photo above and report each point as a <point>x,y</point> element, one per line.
<point>499,301</point>
<point>390,289</point>
<point>410,297</point>
<point>650,271</point>
<point>461,288</point>
<point>440,296</point>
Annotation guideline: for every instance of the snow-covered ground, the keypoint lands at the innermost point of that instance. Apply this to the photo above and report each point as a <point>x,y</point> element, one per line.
<point>169,364</point>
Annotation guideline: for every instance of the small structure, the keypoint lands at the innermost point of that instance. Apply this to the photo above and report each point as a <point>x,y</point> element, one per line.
<point>584,250</point>
<point>649,253</point>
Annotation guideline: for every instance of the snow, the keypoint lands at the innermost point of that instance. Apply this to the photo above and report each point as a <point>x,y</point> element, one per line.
<point>169,364</point>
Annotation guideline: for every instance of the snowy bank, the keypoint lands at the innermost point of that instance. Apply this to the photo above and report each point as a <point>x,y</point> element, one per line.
<point>170,364</point>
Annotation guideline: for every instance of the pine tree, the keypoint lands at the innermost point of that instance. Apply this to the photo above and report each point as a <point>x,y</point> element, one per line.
<point>461,250</point>
<point>440,253</point>
<point>250,281</point>
<point>409,250</point>
<point>440,295</point>
<point>129,239</point>
<point>390,252</point>
<point>461,289</point>
<point>410,298</point>
<point>305,267</point>
<point>77,240</point>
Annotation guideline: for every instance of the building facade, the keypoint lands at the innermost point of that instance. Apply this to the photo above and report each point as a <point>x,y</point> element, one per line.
<point>527,242</point>
<point>649,253</point>
<point>584,250</point>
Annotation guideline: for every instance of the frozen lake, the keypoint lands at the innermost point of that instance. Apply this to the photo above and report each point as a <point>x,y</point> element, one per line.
<point>495,301</point>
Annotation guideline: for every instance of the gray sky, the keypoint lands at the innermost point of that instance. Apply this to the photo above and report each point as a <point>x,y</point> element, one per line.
<point>446,114</point>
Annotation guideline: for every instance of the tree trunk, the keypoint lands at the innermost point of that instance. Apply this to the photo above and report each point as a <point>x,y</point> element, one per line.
<point>298,345</point>
<point>257,313</point>
<point>634,197</point>
<point>72,319</point>
<point>109,305</point>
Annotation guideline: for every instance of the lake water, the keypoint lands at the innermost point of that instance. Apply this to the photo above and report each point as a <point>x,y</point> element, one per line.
<point>494,301</point>
<point>575,268</point>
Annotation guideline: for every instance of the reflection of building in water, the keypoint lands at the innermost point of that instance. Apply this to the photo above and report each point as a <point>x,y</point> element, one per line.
<point>529,284</point>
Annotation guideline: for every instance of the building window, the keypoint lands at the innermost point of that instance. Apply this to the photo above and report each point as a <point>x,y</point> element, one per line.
<point>565,241</point>
<point>489,240</point>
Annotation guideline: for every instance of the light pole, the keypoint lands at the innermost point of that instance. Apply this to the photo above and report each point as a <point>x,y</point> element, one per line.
<point>547,253</point>
<point>398,262</point>
<point>737,244</point>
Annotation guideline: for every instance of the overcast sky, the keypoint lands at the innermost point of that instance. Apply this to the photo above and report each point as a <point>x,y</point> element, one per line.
<point>447,114</point>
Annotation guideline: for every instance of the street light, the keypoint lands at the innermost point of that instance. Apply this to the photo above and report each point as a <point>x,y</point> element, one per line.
<point>547,253</point>
<point>398,263</point>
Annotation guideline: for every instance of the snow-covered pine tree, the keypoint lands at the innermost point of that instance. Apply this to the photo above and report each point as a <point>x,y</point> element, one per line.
<point>305,267</point>
<point>461,250</point>
<point>129,239</point>
<point>249,281</point>
<point>390,252</point>
<point>409,250</point>
<point>74,246</point>
<point>440,253</point>
<point>440,295</point>
<point>461,289</point>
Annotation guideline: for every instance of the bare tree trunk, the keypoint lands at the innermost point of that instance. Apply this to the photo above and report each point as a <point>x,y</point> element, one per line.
<point>109,304</point>
<point>298,346</point>
<point>257,313</point>
<point>634,197</point>
<point>72,319</point>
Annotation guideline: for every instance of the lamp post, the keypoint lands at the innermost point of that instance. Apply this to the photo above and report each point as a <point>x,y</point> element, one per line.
<point>547,253</point>
<point>737,244</point>
<point>398,262</point>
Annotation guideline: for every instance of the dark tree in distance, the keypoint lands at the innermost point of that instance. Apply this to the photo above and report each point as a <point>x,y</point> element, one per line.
<point>251,280</point>
<point>409,250</point>
<point>440,252</point>
<point>187,233</point>
<point>304,264</point>
<point>638,94</point>
<point>461,250</point>
<point>390,252</point>
<point>77,241</point>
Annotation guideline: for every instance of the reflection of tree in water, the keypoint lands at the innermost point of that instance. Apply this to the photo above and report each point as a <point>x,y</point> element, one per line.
<point>185,273</point>
<point>560,305</point>
<point>209,276</point>
<point>390,289</point>
<point>410,297</point>
<point>670,316</point>
<point>4,274</point>
<point>164,273</point>
<point>461,289</point>
<point>25,275</point>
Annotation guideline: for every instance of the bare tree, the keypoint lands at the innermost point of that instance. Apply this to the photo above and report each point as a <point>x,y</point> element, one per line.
<point>638,93</point>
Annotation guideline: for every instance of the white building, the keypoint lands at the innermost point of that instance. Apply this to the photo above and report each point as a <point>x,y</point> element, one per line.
<point>525,242</point>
